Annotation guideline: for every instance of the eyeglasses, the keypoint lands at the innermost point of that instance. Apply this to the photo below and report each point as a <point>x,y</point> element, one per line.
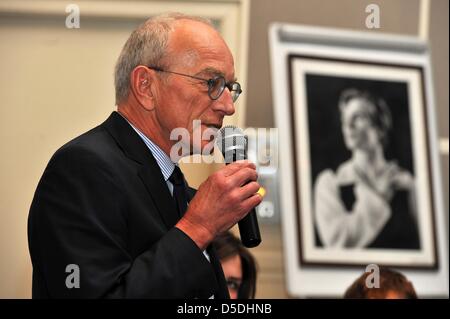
<point>216,85</point>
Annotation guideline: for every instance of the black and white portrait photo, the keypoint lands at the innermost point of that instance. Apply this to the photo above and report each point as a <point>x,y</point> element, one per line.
<point>363,194</point>
<point>362,167</point>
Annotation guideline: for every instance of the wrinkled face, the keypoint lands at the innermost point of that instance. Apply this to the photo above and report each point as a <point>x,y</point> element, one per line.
<point>198,50</point>
<point>357,127</point>
<point>232,269</point>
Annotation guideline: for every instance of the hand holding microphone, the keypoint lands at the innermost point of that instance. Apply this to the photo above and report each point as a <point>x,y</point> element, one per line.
<point>228,196</point>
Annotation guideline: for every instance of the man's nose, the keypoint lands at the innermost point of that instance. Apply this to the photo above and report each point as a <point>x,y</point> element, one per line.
<point>225,103</point>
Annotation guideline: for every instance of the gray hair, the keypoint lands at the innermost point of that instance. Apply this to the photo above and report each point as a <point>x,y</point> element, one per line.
<point>147,45</point>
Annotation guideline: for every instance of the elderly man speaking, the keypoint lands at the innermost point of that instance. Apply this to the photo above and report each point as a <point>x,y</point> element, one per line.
<point>112,216</point>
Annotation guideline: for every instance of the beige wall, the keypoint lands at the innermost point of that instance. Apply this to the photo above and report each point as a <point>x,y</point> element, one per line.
<point>56,83</point>
<point>440,57</point>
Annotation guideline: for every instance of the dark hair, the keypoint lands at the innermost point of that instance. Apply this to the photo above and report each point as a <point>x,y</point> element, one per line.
<point>380,115</point>
<point>390,280</point>
<point>227,245</point>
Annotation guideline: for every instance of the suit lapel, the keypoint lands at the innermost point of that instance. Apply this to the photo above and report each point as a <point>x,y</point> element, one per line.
<point>149,172</point>
<point>222,292</point>
<point>190,192</point>
<point>157,188</point>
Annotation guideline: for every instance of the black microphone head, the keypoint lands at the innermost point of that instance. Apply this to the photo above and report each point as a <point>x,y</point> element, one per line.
<point>232,142</point>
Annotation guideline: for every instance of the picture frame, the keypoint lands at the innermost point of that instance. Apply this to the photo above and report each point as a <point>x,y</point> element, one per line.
<point>322,78</point>
<point>335,227</point>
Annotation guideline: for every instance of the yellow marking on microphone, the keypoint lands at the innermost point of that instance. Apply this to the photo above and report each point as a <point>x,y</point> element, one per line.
<point>261,191</point>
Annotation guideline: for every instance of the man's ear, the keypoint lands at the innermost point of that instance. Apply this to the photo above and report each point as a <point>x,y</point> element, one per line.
<point>141,84</point>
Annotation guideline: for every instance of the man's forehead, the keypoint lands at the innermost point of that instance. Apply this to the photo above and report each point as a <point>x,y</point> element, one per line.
<point>198,45</point>
<point>193,34</point>
<point>216,72</point>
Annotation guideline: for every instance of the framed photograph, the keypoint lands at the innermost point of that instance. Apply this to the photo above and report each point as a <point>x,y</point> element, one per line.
<point>359,172</point>
<point>363,177</point>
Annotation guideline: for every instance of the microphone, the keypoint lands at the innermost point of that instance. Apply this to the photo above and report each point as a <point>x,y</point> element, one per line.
<point>233,144</point>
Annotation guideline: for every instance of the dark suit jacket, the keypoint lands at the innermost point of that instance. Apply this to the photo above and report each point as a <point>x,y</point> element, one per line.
<point>103,205</point>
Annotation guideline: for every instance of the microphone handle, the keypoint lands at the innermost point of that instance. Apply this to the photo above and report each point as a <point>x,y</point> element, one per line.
<point>248,226</point>
<point>249,230</point>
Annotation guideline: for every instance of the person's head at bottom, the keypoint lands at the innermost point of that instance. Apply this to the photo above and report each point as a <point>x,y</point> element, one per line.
<point>392,285</point>
<point>239,266</point>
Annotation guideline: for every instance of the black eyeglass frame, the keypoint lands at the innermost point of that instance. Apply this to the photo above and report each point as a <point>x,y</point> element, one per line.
<point>210,83</point>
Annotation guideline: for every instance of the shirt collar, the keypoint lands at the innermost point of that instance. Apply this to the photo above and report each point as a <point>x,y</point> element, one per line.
<point>164,162</point>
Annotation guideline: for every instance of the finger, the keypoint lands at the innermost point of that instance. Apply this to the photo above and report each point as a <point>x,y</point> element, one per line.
<point>393,167</point>
<point>252,202</point>
<point>243,176</point>
<point>393,172</point>
<point>232,168</point>
<point>402,180</point>
<point>249,190</point>
<point>388,173</point>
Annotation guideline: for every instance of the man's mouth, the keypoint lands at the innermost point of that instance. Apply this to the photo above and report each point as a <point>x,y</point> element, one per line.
<point>214,128</point>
